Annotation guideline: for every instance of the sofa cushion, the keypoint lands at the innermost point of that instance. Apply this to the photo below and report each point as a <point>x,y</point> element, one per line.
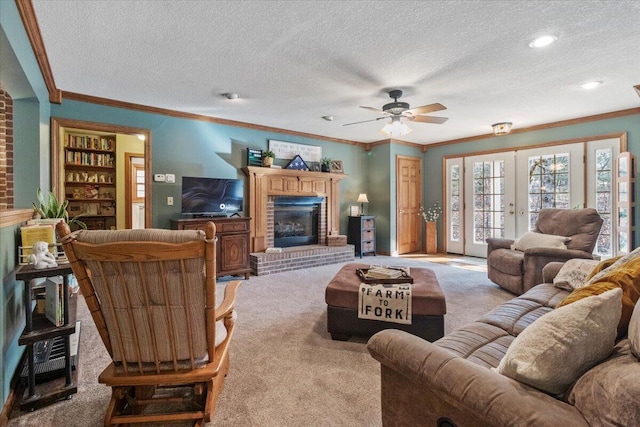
<point>608,393</point>
<point>634,332</point>
<point>624,275</point>
<point>538,240</point>
<point>563,344</point>
<point>486,340</point>
<point>574,273</point>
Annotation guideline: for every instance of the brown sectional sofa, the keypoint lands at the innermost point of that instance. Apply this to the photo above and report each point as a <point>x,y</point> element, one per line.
<point>450,382</point>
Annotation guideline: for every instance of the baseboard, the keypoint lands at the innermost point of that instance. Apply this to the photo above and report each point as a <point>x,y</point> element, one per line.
<point>14,392</point>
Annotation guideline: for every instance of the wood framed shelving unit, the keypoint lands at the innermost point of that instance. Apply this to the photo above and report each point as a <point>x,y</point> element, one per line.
<point>39,329</point>
<point>89,171</point>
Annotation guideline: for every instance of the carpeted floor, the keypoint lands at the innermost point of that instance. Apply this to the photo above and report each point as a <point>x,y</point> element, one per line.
<point>285,369</point>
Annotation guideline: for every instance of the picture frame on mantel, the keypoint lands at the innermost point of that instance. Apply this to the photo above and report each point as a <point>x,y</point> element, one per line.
<point>336,166</point>
<point>354,210</point>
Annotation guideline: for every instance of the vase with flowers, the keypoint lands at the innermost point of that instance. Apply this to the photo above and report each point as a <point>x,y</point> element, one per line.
<point>430,216</point>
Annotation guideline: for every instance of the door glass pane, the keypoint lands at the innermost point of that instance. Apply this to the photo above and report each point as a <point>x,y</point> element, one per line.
<point>604,199</point>
<point>455,203</point>
<point>548,184</point>
<point>488,197</point>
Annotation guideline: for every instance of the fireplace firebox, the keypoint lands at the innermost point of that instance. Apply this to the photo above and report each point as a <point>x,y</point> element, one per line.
<point>296,221</point>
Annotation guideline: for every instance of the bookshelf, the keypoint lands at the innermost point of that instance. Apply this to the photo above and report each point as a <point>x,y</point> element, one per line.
<point>89,172</point>
<point>50,378</point>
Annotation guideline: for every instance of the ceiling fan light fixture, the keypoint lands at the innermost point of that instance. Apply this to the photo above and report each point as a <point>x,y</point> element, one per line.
<point>395,128</point>
<point>502,128</point>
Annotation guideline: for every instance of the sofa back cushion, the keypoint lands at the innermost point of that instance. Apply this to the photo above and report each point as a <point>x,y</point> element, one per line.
<point>581,225</point>
<point>608,394</point>
<point>563,344</point>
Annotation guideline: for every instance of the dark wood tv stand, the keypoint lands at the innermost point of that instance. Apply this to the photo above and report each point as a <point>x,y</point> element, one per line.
<point>232,248</point>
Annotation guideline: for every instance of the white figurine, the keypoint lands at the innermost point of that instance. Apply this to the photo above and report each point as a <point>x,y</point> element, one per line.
<point>41,257</point>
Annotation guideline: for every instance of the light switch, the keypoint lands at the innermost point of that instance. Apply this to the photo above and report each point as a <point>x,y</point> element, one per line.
<point>169,201</point>
<point>171,178</point>
<point>159,177</point>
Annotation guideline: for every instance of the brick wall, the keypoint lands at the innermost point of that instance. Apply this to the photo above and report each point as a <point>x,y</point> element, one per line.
<point>6,150</point>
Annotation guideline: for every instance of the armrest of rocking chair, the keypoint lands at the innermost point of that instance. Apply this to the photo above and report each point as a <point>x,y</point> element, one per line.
<point>228,303</point>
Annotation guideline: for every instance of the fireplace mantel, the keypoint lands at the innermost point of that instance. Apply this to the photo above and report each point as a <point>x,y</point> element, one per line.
<point>265,182</point>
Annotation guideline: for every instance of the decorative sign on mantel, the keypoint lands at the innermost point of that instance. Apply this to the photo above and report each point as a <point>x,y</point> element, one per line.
<point>288,150</point>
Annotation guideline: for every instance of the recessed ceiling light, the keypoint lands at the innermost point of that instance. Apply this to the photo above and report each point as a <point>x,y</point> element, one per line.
<point>590,85</point>
<point>231,95</point>
<point>328,118</point>
<point>543,41</point>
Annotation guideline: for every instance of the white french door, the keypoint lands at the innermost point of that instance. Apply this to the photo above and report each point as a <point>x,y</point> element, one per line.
<point>489,200</point>
<point>504,192</point>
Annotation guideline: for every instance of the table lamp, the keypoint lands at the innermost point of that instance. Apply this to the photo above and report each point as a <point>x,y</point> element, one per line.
<point>362,199</point>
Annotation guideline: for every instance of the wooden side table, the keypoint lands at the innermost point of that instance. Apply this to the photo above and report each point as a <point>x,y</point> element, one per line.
<point>39,328</point>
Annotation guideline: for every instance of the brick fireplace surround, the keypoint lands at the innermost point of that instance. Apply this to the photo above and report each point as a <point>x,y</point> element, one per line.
<point>267,183</point>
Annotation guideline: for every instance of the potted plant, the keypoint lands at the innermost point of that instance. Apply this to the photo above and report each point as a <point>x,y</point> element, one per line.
<point>49,207</point>
<point>326,164</point>
<point>267,158</point>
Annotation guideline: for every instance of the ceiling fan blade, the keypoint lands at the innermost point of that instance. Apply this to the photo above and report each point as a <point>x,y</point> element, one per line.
<point>426,109</point>
<point>364,121</point>
<point>428,119</point>
<point>372,109</point>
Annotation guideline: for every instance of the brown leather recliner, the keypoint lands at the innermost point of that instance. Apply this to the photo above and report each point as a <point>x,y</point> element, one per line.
<point>518,271</point>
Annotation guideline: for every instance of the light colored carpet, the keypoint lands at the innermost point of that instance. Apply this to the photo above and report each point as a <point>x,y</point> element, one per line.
<point>285,369</point>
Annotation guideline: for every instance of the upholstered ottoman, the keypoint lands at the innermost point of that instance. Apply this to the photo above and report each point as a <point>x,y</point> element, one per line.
<point>427,305</point>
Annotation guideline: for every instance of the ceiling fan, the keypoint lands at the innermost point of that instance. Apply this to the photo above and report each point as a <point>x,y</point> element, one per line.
<point>397,110</point>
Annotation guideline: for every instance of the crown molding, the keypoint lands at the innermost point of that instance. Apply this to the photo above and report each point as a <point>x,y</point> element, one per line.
<point>28,15</point>
<point>180,114</point>
<point>580,120</point>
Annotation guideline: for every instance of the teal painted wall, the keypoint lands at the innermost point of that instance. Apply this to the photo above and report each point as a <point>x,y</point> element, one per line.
<point>433,157</point>
<point>31,169</point>
<point>187,147</point>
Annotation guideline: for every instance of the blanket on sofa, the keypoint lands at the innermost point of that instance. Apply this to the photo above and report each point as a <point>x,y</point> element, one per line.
<point>387,303</point>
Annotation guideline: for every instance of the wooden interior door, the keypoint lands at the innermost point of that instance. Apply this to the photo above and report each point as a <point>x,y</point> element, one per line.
<point>408,202</point>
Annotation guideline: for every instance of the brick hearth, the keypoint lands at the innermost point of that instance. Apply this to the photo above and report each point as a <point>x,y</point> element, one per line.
<point>299,257</point>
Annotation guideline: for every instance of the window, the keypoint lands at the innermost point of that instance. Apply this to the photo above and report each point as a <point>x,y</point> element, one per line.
<point>488,200</point>
<point>456,205</point>
<point>603,179</point>
<point>548,184</point>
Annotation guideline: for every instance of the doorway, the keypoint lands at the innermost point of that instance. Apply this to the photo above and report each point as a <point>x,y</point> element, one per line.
<point>134,190</point>
<point>125,136</point>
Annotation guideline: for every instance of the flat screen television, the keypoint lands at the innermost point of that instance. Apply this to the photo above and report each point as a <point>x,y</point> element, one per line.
<point>211,196</point>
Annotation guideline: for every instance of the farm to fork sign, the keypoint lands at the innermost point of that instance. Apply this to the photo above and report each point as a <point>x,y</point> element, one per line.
<point>387,303</point>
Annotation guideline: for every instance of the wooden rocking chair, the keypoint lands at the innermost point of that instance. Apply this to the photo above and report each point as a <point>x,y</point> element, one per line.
<point>152,296</point>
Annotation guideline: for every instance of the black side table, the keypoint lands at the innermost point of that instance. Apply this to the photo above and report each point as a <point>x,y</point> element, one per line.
<point>38,328</point>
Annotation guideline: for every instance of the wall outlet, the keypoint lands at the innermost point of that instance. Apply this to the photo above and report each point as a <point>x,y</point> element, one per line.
<point>169,201</point>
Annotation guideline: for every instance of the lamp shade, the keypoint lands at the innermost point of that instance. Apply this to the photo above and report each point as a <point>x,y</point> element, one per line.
<point>362,198</point>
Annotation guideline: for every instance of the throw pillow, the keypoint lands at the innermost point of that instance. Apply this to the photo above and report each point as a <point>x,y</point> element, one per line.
<point>574,273</point>
<point>634,332</point>
<point>619,261</point>
<point>539,240</point>
<point>555,350</point>
<point>625,276</point>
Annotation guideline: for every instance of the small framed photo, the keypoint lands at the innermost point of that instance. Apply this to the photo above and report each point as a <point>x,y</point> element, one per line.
<point>254,157</point>
<point>354,210</point>
<point>315,166</point>
<point>336,166</point>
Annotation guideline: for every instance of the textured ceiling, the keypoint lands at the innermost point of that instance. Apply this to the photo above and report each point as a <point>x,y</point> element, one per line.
<point>293,62</point>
